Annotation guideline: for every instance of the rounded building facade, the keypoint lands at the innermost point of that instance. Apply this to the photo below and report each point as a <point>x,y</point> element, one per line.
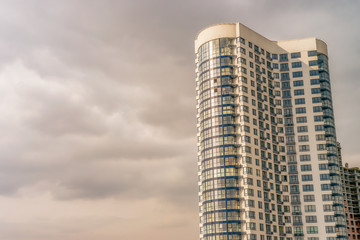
<point>267,156</point>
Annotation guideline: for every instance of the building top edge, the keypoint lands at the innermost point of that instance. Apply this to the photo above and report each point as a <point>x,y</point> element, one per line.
<point>210,26</point>
<point>233,30</point>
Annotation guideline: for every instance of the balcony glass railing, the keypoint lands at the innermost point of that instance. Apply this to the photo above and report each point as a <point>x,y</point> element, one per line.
<point>325,95</point>
<point>325,86</point>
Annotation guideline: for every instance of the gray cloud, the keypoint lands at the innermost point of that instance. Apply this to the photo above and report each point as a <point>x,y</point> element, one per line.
<point>97,104</point>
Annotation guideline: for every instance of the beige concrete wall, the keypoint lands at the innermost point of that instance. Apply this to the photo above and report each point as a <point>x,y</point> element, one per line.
<point>226,30</point>
<point>306,44</point>
<point>233,30</point>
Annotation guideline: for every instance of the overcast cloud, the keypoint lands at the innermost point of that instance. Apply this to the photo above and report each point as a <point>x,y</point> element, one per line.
<point>97,106</point>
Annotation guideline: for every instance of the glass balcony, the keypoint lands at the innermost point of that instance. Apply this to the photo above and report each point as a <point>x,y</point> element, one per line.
<point>326,104</point>
<point>329,122</point>
<point>325,86</point>
<point>325,95</point>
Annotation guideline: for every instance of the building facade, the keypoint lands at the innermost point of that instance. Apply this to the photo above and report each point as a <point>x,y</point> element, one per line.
<point>351,188</point>
<point>267,153</point>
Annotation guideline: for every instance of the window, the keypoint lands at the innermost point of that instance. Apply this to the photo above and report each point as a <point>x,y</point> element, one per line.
<point>275,66</point>
<point>317,109</point>
<point>298,83</point>
<point>300,110</point>
<point>252,237</point>
<point>293,179</point>
<point>314,72</point>
<point>314,81</point>
<point>313,63</point>
<point>258,182</point>
<point>299,92</point>
<point>316,100</point>
<point>250,44</point>
<point>310,208</point>
<point>286,94</point>
<point>306,168</point>
<point>243,70</point>
<point>285,76</point>
<point>298,230</point>
<point>311,219</point>
<point>312,53</point>
<point>313,238</point>
<point>301,119</point>
<point>285,85</point>
<point>312,229</point>
<point>329,218</point>
<point>330,229</point>
<point>321,147</point>
<point>296,55</point>
<point>249,203</point>
<point>325,187</point>
<point>244,99</point>
<point>242,50</point>
<point>244,118</point>
<point>289,130</point>
<point>249,192</point>
<point>306,178</point>
<point>248,181</point>
<point>296,65</point>
<point>315,90</point>
<point>326,197</point>
<point>309,198</point>
<point>287,103</point>
<point>245,128</point>
<point>247,159</point>
<point>319,128</point>
<point>242,60</point>
<point>304,148</point>
<point>284,67</point>
<point>250,214</point>
<point>327,208</point>
<point>274,56</point>
<point>320,137</point>
<point>297,74</point>
<point>305,158</point>
<point>300,101</point>
<point>303,138</point>
<point>308,188</point>
<point>292,168</point>
<point>283,57</point>
<point>250,226</point>
<point>290,149</point>
<point>323,166</point>
<point>248,170</point>
<point>294,189</point>
<point>302,129</point>
<point>268,55</point>
<point>324,177</point>
<point>243,79</point>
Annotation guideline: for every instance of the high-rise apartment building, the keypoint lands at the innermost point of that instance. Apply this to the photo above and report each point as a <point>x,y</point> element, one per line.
<point>351,188</point>
<point>267,153</point>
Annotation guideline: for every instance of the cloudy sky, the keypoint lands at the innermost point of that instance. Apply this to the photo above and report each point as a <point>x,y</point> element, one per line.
<point>97,106</point>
